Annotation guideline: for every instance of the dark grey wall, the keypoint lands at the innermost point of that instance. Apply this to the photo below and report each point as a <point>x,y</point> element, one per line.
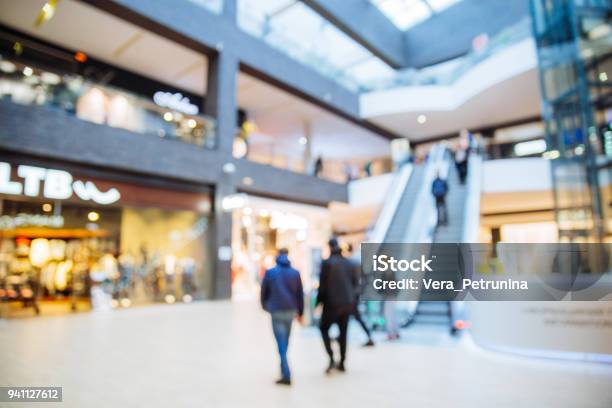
<point>449,34</point>
<point>44,132</point>
<point>281,184</point>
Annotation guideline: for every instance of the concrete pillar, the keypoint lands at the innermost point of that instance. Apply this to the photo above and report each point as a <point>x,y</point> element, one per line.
<point>220,103</point>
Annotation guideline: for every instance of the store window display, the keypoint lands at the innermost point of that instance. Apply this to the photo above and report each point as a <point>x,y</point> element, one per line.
<point>262,226</point>
<point>102,257</point>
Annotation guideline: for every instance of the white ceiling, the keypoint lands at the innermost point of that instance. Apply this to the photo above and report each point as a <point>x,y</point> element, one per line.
<point>282,117</point>
<point>514,99</point>
<point>78,26</point>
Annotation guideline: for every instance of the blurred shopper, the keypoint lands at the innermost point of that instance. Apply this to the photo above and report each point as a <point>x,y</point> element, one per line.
<point>390,315</point>
<point>367,168</point>
<point>283,297</point>
<point>356,313</point>
<point>337,287</point>
<point>439,189</point>
<point>461,162</point>
<point>318,167</point>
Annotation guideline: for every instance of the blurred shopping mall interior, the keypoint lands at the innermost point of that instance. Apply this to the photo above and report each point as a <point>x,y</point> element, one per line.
<point>155,155</point>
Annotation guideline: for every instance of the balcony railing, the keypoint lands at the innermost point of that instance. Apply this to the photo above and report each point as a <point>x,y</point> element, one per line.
<point>168,116</point>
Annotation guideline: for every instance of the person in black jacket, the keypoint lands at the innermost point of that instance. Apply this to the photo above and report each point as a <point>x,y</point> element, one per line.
<point>283,297</point>
<point>338,285</point>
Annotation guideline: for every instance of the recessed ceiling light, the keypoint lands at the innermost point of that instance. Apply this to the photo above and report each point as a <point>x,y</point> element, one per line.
<point>303,141</point>
<point>27,71</point>
<point>421,119</point>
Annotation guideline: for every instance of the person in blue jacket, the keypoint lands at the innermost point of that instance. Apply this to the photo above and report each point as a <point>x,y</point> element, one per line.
<point>283,297</point>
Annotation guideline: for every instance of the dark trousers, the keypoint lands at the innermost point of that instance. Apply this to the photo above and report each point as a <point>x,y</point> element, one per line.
<point>340,316</point>
<point>281,326</point>
<point>441,208</point>
<point>357,316</point>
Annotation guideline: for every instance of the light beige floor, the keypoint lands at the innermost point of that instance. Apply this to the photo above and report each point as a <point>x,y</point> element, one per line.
<point>221,354</point>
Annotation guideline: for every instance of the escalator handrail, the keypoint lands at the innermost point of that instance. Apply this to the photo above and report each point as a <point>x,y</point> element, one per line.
<point>390,203</point>
<point>471,217</point>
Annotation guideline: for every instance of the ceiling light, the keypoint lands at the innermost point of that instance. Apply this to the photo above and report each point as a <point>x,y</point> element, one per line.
<point>303,141</point>
<point>421,119</point>
<point>192,123</point>
<point>46,13</point>
<point>27,71</point>
<point>168,116</point>
<point>93,216</point>
<point>7,66</point>
<point>603,76</point>
<point>46,207</point>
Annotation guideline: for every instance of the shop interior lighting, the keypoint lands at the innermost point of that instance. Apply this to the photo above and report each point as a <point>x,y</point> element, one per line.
<point>168,116</point>
<point>551,155</point>
<point>46,207</point>
<point>93,216</point>
<point>170,299</point>
<point>187,298</point>
<point>7,67</point>
<point>234,201</point>
<point>50,78</point>
<point>192,123</point>
<point>603,76</point>
<point>303,141</point>
<point>27,71</point>
<point>421,119</point>
<point>600,31</point>
<point>530,147</point>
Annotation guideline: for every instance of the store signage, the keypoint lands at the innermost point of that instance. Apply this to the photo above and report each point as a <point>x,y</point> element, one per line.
<point>30,220</point>
<point>175,101</point>
<point>57,185</point>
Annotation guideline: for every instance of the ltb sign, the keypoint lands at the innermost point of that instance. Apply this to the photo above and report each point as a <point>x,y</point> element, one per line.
<point>56,185</point>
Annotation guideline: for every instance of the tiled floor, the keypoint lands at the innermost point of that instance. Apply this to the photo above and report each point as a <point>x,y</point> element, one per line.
<point>221,354</point>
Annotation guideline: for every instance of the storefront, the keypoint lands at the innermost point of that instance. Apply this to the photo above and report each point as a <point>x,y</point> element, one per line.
<point>81,239</point>
<point>261,226</point>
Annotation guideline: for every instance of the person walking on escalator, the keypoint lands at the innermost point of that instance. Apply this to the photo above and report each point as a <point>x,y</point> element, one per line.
<point>283,297</point>
<point>338,284</point>
<point>461,163</point>
<point>439,189</point>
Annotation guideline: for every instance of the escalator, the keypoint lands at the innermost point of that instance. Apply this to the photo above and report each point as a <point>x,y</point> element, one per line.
<point>441,312</point>
<point>409,216</point>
